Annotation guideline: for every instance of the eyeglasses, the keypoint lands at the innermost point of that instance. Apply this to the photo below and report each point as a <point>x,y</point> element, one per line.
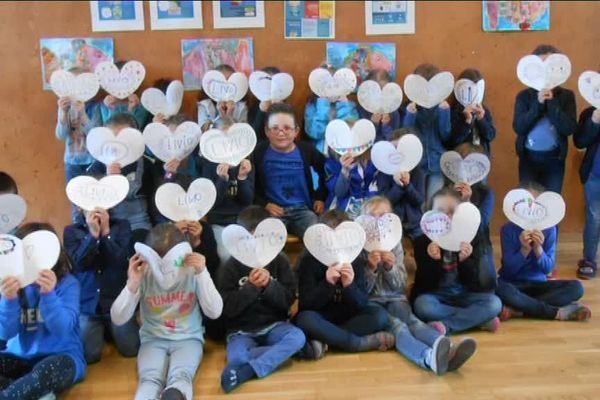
<point>285,129</point>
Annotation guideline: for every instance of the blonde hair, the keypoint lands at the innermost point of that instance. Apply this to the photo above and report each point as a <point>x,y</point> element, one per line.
<point>370,204</point>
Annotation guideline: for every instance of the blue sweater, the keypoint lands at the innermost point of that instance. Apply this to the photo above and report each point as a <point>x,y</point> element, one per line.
<point>463,132</point>
<point>518,268</point>
<point>407,201</point>
<point>587,137</point>
<point>49,325</point>
<point>319,113</point>
<point>383,131</point>
<point>342,189</point>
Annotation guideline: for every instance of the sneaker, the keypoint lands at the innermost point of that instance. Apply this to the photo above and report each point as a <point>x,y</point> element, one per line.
<point>438,326</point>
<point>440,355</point>
<point>172,394</point>
<point>574,312</point>
<point>586,269</point>
<point>461,352</point>
<point>492,325</point>
<point>312,350</point>
<point>508,313</point>
<point>233,376</point>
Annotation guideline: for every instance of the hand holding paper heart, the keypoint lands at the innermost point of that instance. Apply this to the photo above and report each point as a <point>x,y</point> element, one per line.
<point>167,145</point>
<point>546,74</point>
<point>178,205</point>
<point>383,233</point>
<point>80,87</point>
<point>259,249</point>
<point>448,232</point>
<point>345,140</point>
<point>376,100</point>
<point>403,158</point>
<point>13,209</point>
<point>540,213</point>
<point>472,169</point>
<point>219,88</point>
<point>168,270</point>
<point>589,87</point>
<point>339,246</point>
<point>88,193</point>
<point>167,104</point>
<point>120,84</point>
<point>329,87</point>
<point>125,148</point>
<point>229,147</point>
<point>429,94</point>
<point>271,88</point>
<point>469,93</point>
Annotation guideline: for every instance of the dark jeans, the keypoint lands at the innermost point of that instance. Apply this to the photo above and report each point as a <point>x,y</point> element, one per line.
<point>544,168</point>
<point>539,299</point>
<point>298,219</point>
<point>32,379</point>
<point>93,328</point>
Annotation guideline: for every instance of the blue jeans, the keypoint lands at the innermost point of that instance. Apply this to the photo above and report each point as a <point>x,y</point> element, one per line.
<point>72,171</point>
<point>434,182</point>
<point>458,311</point>
<point>93,327</point>
<point>547,170</point>
<point>591,232</point>
<point>298,219</point>
<point>348,336</point>
<point>265,351</point>
<point>538,299</point>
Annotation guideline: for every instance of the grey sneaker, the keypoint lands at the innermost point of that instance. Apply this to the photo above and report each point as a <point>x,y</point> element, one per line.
<point>440,355</point>
<point>461,352</point>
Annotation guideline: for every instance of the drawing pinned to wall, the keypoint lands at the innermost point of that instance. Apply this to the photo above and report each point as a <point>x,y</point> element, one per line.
<point>171,15</point>
<point>238,14</point>
<point>67,53</point>
<point>362,57</point>
<point>202,55</point>
<point>110,16</point>
<point>309,19</point>
<point>389,17</point>
<point>501,16</point>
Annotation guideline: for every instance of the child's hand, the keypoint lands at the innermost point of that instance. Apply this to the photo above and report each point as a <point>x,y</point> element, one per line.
<point>434,251</point>
<point>113,169</point>
<point>596,116</point>
<point>479,112</point>
<point>135,272</point>
<point>260,278</point>
<point>444,105</point>
<point>468,113</point>
<point>78,106</point>
<point>64,103</point>
<point>376,118</point>
<point>274,210</point>
<point>347,162</point>
<point>319,207</point>
<point>264,105</point>
<point>194,229</point>
<point>373,260</point>
<point>388,259</point>
<point>159,118</point>
<point>104,219</point>
<point>544,95</point>
<point>412,107</point>
<point>244,171</point>
<point>538,238</point>
<point>132,102</point>
<point>172,165</point>
<point>9,288</point>
<point>347,275</point>
<point>385,119</point>
<point>333,275</point>
<point>222,107</point>
<point>47,281</point>
<point>111,102</point>
<point>465,251</point>
<point>223,171</point>
<point>196,261</point>
<point>93,222</point>
<point>230,108</point>
<point>404,178</point>
<point>465,190</point>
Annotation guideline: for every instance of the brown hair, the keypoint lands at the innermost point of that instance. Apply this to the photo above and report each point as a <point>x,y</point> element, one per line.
<point>333,218</point>
<point>427,71</point>
<point>163,237</point>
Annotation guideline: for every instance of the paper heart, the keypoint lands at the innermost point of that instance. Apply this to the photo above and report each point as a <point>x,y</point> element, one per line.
<point>169,103</point>
<point>80,87</point>
<point>339,246</point>
<point>383,233</point>
<point>376,100</point>
<point>470,170</point>
<point>542,212</point>
<point>448,232</point>
<point>120,84</point>
<point>88,193</point>
<point>541,74</point>
<point>329,87</point>
<point>589,87</point>
<point>13,209</point>
<point>175,203</point>
<point>403,158</point>
<point>345,140</point>
<point>229,147</point>
<point>469,93</point>
<point>167,145</point>
<point>219,88</point>
<point>259,249</point>
<point>429,93</point>
<point>271,88</point>
<point>167,270</point>
<point>125,148</point>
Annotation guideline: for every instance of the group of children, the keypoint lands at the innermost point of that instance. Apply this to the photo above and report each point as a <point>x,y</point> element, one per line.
<point>102,287</point>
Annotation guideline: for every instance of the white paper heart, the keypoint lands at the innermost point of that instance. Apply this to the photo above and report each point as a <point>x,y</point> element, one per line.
<point>218,88</point>
<point>259,249</point>
<point>168,270</point>
<point>376,100</point>
<point>474,168</point>
<point>450,233</point>
<point>329,87</point>
<point>383,233</point>
<point>589,87</point>
<point>345,140</point>
<point>541,74</point>
<point>469,93</point>
<point>403,158</point>
<point>125,148</point>
<point>229,147</point>
<point>13,209</point>
<point>271,88</point>
<point>169,103</point>
<point>175,203</point>
<point>167,145</point>
<point>542,212</point>
<point>429,94</point>
<point>120,84</point>
<point>88,193</point>
<point>80,87</point>
<point>339,246</point>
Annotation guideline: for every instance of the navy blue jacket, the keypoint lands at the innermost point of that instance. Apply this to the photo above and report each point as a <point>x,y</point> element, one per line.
<point>383,132</point>
<point>407,201</point>
<point>587,137</point>
<point>463,132</point>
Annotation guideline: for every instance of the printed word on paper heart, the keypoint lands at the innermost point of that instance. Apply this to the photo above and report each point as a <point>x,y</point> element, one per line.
<point>448,232</point>
<point>167,270</point>
<point>168,103</point>
<point>469,93</point>
<point>379,100</point>
<point>429,93</point>
<point>219,88</point>
<point>120,84</point>
<point>404,157</point>
<point>332,87</point>
<point>229,147</point>
<point>589,87</point>
<point>531,213</point>
<point>89,193</point>
<point>259,249</point>
<point>80,87</point>
<point>345,140</point>
<point>13,209</point>
<point>383,233</point>
<point>167,145</point>
<point>472,169</point>
<point>335,246</point>
<point>541,74</point>
<point>174,203</point>
<point>271,88</point>
<point>124,148</point>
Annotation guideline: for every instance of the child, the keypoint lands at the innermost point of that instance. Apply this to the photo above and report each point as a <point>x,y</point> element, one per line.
<point>40,323</point>
<point>434,127</point>
<point>527,258</point>
<point>543,121</point>
<point>259,110</point>
<point>451,289</point>
<point>172,332</point>
<point>284,179</point>
<point>473,124</point>
<point>333,305</point>
<point>384,123</point>
<point>256,307</point>
<point>588,137</point>
<point>223,113</point>
<point>386,285</point>
<point>99,249</point>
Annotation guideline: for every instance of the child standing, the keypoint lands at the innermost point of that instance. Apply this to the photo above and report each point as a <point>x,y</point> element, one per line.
<point>385,124</point>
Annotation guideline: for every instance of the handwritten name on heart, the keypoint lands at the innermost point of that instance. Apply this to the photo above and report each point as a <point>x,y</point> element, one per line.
<point>80,87</point>
<point>379,100</point>
<point>271,88</point>
<point>345,140</point>
<point>173,202</point>
<point>541,74</point>
<point>259,249</point>
<point>470,170</point>
<point>383,233</point>
<point>448,232</point>
<point>229,147</point>
<point>88,193</point>
<point>167,145</point>
<point>469,93</point>
<point>120,84</point>
<point>335,246</point>
<point>124,148</point>
<point>167,270</point>
<point>528,212</point>
<point>404,157</point>
<point>168,103</point>
<point>589,87</point>
<point>219,88</point>
<point>429,93</point>
<point>13,209</point>
<point>332,87</point>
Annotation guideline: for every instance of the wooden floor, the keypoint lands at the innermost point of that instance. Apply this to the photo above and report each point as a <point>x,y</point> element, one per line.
<point>525,360</point>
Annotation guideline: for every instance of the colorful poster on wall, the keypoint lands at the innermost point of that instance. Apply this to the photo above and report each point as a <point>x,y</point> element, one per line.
<point>173,15</point>
<point>309,19</point>
<point>201,55</point>
<point>238,14</point>
<point>362,57</point>
<point>66,53</point>
<point>389,17</point>
<point>500,16</point>
<point>109,16</point>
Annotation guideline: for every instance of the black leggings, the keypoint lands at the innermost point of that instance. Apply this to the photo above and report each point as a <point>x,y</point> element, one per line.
<point>22,379</point>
